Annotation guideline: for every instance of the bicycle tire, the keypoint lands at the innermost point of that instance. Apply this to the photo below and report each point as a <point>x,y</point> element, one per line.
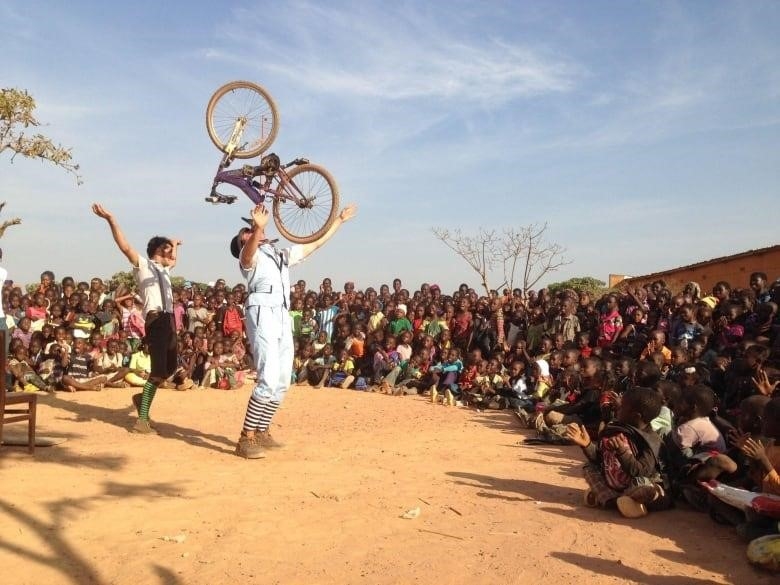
<point>317,177</point>
<point>218,124</point>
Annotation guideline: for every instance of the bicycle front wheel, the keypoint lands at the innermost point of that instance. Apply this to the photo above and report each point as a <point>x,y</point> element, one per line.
<point>249,104</point>
<point>308,204</point>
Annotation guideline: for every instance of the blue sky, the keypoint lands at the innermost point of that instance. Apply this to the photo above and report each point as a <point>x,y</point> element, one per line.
<point>646,133</point>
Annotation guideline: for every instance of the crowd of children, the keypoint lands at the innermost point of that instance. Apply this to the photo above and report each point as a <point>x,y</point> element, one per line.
<point>662,389</point>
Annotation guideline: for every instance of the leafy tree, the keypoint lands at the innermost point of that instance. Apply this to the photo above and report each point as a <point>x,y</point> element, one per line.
<point>17,117</point>
<point>124,279</point>
<point>593,286</point>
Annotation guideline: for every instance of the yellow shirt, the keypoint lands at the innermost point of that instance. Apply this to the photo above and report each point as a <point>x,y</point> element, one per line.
<point>375,321</point>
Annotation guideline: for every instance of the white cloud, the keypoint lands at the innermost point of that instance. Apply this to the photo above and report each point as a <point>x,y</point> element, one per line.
<point>386,55</point>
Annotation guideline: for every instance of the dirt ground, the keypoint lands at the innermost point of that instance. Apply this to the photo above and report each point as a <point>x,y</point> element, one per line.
<point>110,507</point>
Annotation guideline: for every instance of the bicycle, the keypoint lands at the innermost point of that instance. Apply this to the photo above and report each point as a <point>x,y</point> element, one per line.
<point>305,199</point>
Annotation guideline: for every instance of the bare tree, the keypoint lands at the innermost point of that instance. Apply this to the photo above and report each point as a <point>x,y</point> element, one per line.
<point>524,250</point>
<point>539,257</point>
<point>17,116</point>
<point>481,251</point>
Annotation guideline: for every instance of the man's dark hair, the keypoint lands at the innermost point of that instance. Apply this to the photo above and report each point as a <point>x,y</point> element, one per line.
<point>154,244</point>
<point>48,273</point>
<point>646,401</point>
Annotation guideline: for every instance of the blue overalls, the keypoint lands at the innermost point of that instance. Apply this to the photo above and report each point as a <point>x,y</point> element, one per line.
<point>268,325</point>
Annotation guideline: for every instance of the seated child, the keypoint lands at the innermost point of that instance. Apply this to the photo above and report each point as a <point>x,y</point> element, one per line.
<point>446,375</point>
<point>109,363</point>
<point>140,366</point>
<point>341,371</point>
<point>623,466</point>
<point>385,359</point>
<point>79,370</point>
<point>319,371</point>
<point>24,374</point>
<point>697,449</point>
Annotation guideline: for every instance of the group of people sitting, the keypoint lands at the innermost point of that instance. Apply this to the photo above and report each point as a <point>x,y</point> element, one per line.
<point>663,390</point>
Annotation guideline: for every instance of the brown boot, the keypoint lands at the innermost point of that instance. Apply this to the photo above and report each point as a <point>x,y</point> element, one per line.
<point>249,447</point>
<point>266,441</point>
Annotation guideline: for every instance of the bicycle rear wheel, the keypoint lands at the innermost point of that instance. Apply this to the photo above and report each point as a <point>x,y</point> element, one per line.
<point>308,221</point>
<point>246,101</point>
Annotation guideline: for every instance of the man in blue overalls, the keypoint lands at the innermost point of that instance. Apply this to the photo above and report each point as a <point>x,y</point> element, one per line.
<point>268,326</point>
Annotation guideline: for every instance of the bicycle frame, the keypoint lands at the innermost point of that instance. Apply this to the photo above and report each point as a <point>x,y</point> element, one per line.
<point>277,184</point>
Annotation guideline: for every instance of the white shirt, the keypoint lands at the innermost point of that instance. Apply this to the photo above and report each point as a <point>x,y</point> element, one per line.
<point>150,277</point>
<point>268,279</point>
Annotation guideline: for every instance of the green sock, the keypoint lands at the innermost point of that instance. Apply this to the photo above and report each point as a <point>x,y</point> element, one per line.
<point>146,400</point>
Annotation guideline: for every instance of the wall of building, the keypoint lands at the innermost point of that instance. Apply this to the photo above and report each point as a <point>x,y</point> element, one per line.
<point>734,269</point>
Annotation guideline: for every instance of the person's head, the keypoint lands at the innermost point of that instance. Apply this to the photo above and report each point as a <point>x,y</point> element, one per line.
<point>583,340</point>
<point>695,350</point>
<point>25,324</point>
<point>570,358</point>
<point>79,346</point>
<point>611,303</point>
<point>755,355</point>
<point>721,290</point>
<point>160,249</point>
<point>559,341</point>
<point>390,343</point>
<point>444,336</point>
<point>517,369</point>
<point>771,423</point>
<point>758,282</point>
<point>696,401</point>
<point>687,313</point>
<point>47,278</point>
<point>592,367</point>
<point>546,344</point>
<point>39,300</point>
<point>751,414</point>
<point>626,368</point>
<point>679,356</point>
<point>639,406</point>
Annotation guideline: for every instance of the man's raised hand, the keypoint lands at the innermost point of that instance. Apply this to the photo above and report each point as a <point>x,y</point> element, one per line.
<point>101,211</point>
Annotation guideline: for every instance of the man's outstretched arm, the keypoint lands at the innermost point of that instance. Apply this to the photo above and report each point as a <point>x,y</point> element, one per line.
<point>346,214</point>
<point>116,232</point>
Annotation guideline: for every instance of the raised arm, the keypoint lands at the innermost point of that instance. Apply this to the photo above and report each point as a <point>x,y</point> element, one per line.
<point>116,232</point>
<point>260,217</point>
<point>346,214</point>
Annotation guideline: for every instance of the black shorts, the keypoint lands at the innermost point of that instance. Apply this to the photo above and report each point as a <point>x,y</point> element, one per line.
<point>161,337</point>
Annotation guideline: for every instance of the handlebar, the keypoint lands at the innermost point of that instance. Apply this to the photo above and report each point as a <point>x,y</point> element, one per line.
<point>296,162</point>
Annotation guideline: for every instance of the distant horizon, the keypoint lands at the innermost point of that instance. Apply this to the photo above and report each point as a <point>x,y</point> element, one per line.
<point>337,285</point>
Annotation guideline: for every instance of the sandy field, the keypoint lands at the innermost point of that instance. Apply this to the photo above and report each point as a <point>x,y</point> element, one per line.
<point>106,506</point>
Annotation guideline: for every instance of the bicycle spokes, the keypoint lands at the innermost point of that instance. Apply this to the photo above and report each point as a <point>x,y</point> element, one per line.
<point>306,203</point>
<point>235,136</point>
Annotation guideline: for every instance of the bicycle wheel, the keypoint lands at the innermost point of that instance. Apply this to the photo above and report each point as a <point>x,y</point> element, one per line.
<point>305,223</point>
<point>248,101</point>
